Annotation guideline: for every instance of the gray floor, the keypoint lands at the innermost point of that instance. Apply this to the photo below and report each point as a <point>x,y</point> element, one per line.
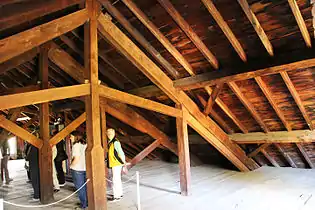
<point>212,188</point>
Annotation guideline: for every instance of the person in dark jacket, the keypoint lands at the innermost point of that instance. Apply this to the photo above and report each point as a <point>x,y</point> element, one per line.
<point>34,172</point>
<point>61,156</point>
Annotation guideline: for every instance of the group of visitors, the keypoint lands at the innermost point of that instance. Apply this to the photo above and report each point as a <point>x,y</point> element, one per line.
<point>115,162</point>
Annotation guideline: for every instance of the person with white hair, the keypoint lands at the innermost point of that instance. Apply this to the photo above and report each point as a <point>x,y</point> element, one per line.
<point>115,161</point>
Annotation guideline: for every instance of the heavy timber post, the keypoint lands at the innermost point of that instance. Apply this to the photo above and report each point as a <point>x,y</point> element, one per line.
<point>94,153</point>
<point>183,151</point>
<point>45,153</point>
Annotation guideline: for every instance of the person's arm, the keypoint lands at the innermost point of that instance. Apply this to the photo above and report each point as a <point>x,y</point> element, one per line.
<point>120,151</point>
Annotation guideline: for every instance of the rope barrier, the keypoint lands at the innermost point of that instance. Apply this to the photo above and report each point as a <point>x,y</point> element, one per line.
<point>46,205</point>
<point>129,179</point>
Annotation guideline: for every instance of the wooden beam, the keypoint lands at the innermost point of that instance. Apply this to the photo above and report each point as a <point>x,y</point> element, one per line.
<point>140,38</point>
<point>154,73</point>
<point>20,132</point>
<point>214,78</point>
<point>189,32</point>
<point>18,60</point>
<point>300,21</point>
<point>300,136</point>
<point>183,151</point>
<point>305,155</point>
<point>127,98</point>
<point>213,97</point>
<point>24,41</point>
<point>259,30</point>
<point>297,98</point>
<point>95,163</point>
<point>159,35</point>
<point>285,155</point>
<point>67,130</point>
<point>25,12</point>
<point>256,151</point>
<point>42,96</point>
<point>248,105</point>
<point>145,152</point>
<point>45,152</point>
<point>270,158</point>
<point>225,28</point>
<point>265,89</point>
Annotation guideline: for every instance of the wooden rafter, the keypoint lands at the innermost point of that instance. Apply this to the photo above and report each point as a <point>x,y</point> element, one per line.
<point>67,130</point>
<point>214,78</point>
<point>213,97</point>
<point>218,138</point>
<point>259,149</point>
<point>20,132</point>
<point>263,86</point>
<point>305,155</point>
<point>189,32</point>
<point>225,28</point>
<point>299,136</point>
<point>127,98</point>
<point>300,21</point>
<point>270,158</point>
<point>140,38</point>
<point>42,96</point>
<point>285,155</point>
<point>158,34</point>
<point>297,98</point>
<point>248,105</point>
<point>254,21</point>
<point>20,90</point>
<point>24,41</point>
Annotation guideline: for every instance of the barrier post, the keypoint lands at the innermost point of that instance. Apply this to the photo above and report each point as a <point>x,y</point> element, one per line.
<point>1,204</point>
<point>138,190</point>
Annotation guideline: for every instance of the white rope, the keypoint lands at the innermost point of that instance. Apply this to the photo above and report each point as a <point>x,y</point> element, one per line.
<point>128,180</point>
<point>46,205</point>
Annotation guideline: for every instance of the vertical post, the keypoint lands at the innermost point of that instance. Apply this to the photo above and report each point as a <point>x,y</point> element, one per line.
<point>68,144</point>
<point>103,126</point>
<point>94,153</point>
<point>138,191</point>
<point>45,153</point>
<point>183,151</point>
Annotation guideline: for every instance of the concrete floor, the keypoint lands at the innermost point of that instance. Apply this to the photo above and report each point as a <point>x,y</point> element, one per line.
<point>214,188</point>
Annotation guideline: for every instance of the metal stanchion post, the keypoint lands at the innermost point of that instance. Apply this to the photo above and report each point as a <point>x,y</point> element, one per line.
<point>138,191</point>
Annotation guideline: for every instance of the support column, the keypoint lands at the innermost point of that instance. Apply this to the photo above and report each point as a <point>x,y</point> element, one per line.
<point>94,153</point>
<point>183,151</point>
<point>45,153</point>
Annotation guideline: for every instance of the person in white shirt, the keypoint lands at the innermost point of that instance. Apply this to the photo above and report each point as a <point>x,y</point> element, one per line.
<point>78,168</point>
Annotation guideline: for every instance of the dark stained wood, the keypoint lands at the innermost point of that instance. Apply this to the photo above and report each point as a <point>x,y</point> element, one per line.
<point>259,149</point>
<point>28,11</point>
<point>248,105</point>
<point>45,152</point>
<point>215,93</point>
<point>286,155</point>
<point>305,155</point>
<point>16,61</point>
<point>24,41</point>
<point>140,38</point>
<point>183,151</point>
<point>67,130</point>
<point>225,28</point>
<point>158,34</point>
<point>297,98</point>
<point>21,90</point>
<point>259,30</point>
<point>95,164</point>
<point>144,64</point>
<point>189,32</point>
<point>265,89</point>
<point>270,158</point>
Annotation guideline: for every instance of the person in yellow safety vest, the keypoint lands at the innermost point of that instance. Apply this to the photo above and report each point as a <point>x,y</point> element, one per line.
<point>116,161</point>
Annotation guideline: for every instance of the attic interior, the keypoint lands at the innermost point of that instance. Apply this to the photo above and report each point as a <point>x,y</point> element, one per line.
<point>229,83</point>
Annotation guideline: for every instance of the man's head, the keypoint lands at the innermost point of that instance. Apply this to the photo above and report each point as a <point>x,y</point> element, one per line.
<point>110,133</point>
<point>75,136</point>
